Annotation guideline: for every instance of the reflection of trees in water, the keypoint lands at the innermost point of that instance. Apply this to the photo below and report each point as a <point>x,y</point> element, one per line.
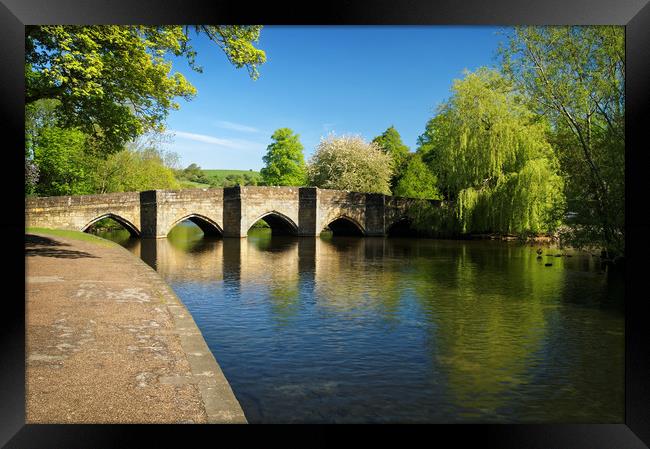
<point>284,296</point>
<point>487,313</point>
<point>188,237</point>
<point>501,326</point>
<point>199,261</point>
<point>271,262</point>
<point>495,319</point>
<point>120,236</point>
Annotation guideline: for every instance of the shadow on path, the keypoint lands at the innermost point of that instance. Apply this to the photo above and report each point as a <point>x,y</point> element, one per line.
<point>36,245</point>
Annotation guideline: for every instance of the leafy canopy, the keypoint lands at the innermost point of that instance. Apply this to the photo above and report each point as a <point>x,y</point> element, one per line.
<point>575,76</point>
<point>417,180</point>
<point>490,155</point>
<point>350,163</point>
<point>114,82</point>
<point>132,170</point>
<point>390,142</point>
<point>285,163</point>
<point>63,165</point>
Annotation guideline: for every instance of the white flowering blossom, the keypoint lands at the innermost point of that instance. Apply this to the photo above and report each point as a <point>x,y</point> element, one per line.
<point>350,163</point>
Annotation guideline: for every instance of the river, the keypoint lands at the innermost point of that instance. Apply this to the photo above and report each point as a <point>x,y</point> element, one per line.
<point>374,330</point>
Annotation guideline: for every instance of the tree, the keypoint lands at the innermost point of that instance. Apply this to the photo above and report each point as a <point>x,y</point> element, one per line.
<point>245,179</point>
<point>193,173</point>
<point>491,156</point>
<point>285,163</point>
<point>417,180</point>
<point>31,176</point>
<point>113,82</point>
<point>58,161</point>
<point>134,169</point>
<point>391,143</point>
<point>64,168</point>
<point>350,163</point>
<point>575,77</point>
<point>38,115</point>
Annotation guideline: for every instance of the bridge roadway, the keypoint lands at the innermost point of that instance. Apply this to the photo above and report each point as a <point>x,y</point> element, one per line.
<point>230,212</point>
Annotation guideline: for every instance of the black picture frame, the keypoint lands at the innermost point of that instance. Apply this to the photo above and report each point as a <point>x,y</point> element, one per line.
<point>634,14</point>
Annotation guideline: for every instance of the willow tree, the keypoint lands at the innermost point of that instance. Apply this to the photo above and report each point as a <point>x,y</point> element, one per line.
<point>492,158</point>
<point>575,76</point>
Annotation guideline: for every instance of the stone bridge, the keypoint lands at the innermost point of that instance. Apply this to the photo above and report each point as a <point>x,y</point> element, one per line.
<point>230,212</point>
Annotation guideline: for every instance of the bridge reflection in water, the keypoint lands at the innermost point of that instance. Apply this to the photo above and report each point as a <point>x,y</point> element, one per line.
<point>349,329</point>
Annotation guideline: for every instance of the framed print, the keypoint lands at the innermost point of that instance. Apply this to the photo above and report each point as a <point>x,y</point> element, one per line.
<point>479,274</point>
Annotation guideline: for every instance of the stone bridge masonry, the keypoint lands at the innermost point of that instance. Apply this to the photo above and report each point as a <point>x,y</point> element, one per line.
<point>230,212</point>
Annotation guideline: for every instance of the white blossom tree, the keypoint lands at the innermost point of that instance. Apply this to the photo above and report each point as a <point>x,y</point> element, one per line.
<point>350,163</point>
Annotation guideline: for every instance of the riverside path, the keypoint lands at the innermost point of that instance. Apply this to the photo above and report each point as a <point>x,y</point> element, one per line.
<point>108,341</point>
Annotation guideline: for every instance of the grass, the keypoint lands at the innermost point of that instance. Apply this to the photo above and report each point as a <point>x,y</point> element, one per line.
<point>194,185</point>
<point>220,175</point>
<point>75,235</point>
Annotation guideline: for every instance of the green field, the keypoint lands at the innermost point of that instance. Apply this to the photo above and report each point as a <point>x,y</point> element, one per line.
<point>218,176</point>
<point>193,185</point>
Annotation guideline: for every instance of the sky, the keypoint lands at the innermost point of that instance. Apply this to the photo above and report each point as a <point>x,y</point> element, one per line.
<point>321,80</point>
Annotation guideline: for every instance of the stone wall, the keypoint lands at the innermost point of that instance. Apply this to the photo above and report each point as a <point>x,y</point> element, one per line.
<point>258,202</point>
<point>80,211</point>
<point>230,211</point>
<point>334,204</point>
<point>396,207</point>
<point>202,206</point>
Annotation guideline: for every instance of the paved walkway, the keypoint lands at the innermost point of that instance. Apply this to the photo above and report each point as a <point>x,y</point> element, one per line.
<point>109,342</point>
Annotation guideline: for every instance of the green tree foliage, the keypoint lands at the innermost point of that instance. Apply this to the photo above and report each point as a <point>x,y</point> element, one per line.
<point>245,179</point>
<point>575,76</point>
<point>525,202</point>
<point>64,168</point>
<point>285,163</point>
<point>491,156</point>
<point>114,82</point>
<point>435,220</point>
<point>416,180</point>
<point>350,163</point>
<point>193,173</point>
<point>38,115</point>
<point>132,170</point>
<point>390,142</point>
<point>227,178</point>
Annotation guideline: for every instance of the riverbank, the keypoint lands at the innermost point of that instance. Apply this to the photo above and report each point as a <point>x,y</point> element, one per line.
<point>107,341</point>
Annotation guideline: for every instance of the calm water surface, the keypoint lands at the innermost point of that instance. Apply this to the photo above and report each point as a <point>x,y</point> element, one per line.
<point>335,329</point>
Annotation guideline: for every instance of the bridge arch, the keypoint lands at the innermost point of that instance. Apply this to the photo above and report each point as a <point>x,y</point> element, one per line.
<point>209,227</point>
<point>133,230</point>
<point>344,225</point>
<point>280,224</point>
<point>401,227</point>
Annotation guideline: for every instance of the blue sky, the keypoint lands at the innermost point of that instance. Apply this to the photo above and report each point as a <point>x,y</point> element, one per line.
<point>318,80</point>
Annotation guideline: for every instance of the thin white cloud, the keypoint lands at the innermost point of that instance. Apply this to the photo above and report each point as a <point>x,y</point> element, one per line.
<point>236,126</point>
<point>203,138</point>
<point>216,152</point>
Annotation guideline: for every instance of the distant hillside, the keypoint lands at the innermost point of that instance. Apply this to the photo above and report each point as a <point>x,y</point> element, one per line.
<point>231,177</point>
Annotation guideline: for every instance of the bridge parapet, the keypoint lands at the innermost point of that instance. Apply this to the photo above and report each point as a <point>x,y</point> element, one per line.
<point>231,211</point>
<point>163,209</point>
<point>339,204</point>
<point>78,212</point>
